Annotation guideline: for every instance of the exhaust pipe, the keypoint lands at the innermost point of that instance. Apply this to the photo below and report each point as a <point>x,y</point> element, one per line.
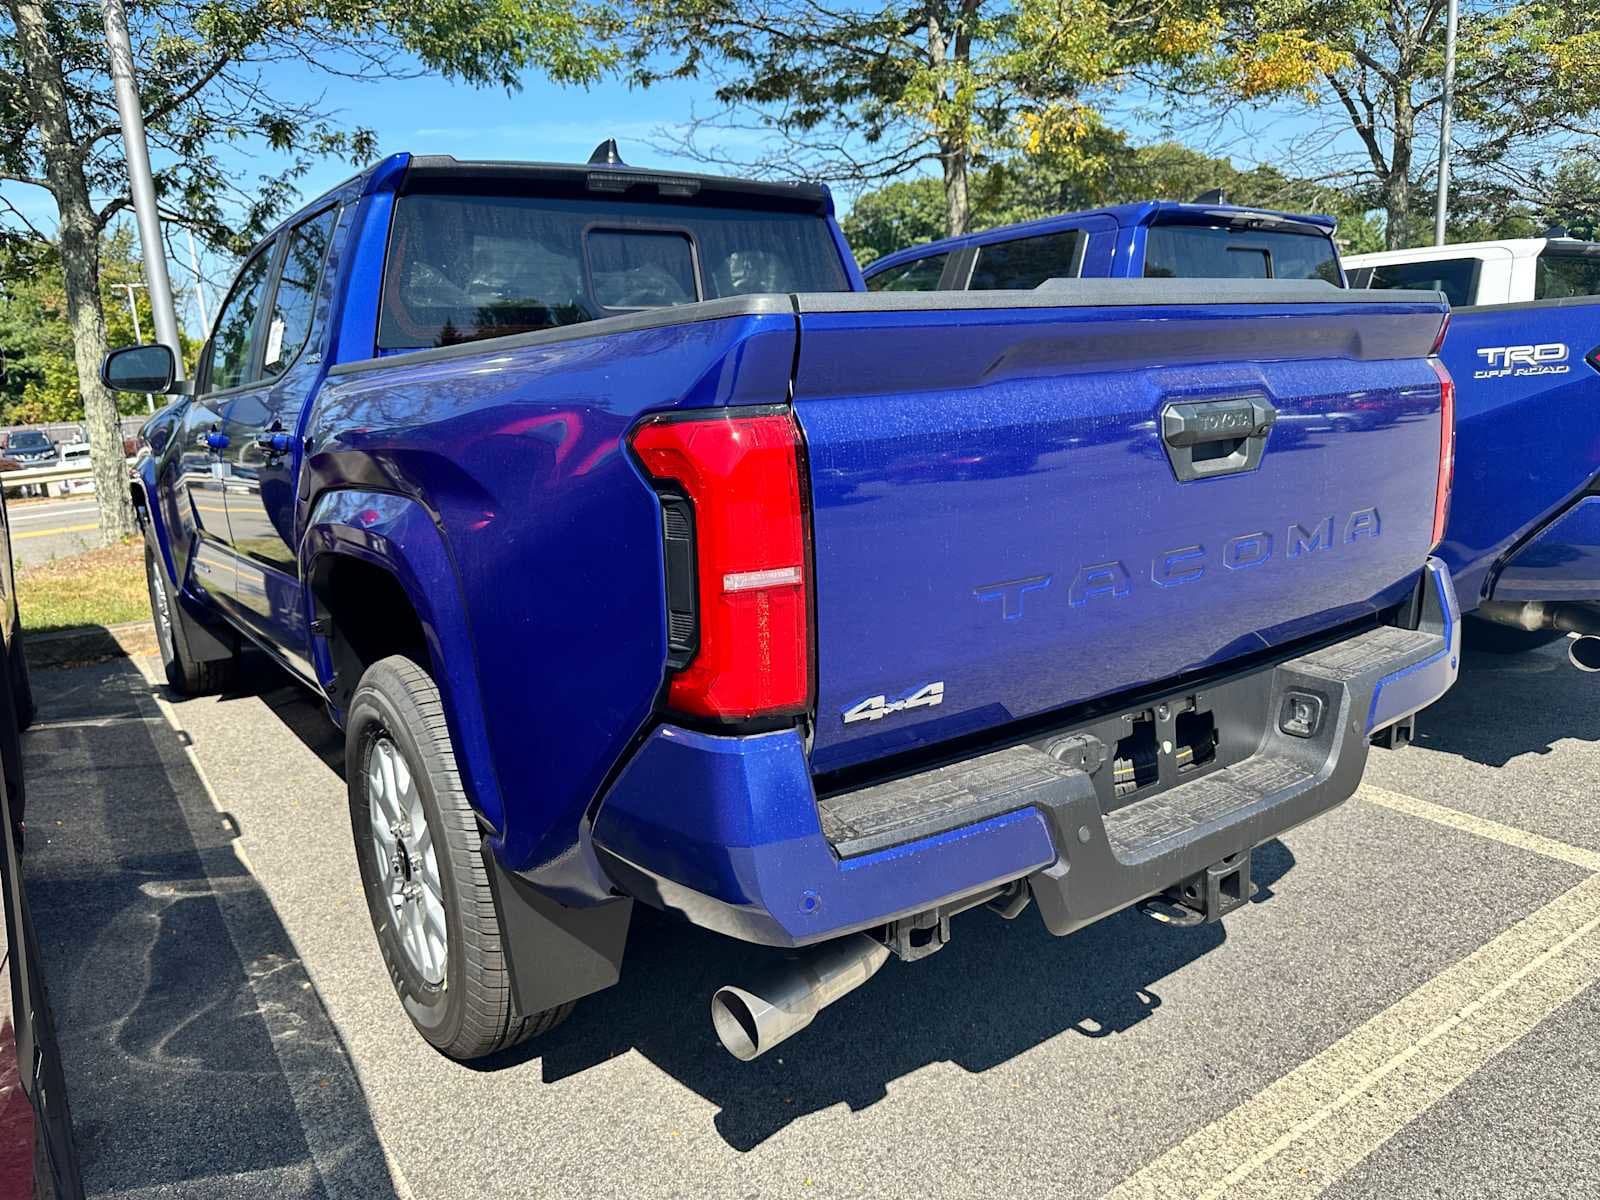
<point>1534,615</point>
<point>1584,653</point>
<point>751,1021</point>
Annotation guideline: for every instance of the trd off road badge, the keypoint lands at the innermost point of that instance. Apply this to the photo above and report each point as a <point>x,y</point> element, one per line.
<point>1547,359</point>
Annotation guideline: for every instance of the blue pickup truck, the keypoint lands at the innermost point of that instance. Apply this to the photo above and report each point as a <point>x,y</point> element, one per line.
<point>1523,540</point>
<point>1523,344</point>
<point>644,555</point>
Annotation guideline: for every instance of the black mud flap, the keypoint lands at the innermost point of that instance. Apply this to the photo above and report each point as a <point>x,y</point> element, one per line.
<point>556,953</point>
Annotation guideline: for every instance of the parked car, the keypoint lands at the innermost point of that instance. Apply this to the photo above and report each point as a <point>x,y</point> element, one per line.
<point>1524,345</point>
<point>36,1149</point>
<point>644,555</point>
<point>30,449</point>
<point>75,454</point>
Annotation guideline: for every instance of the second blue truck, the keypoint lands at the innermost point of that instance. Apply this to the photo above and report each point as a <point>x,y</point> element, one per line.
<point>645,556</point>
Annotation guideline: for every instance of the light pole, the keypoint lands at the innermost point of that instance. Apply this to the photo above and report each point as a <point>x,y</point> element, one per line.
<point>199,286</point>
<point>140,185</point>
<point>138,334</point>
<point>1447,101</point>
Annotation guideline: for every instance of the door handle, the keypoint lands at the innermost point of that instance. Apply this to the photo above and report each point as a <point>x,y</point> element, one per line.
<point>216,441</point>
<point>275,442</point>
<point>1216,437</point>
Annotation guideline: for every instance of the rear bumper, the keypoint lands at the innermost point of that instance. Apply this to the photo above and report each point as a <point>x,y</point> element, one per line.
<point>1560,562</point>
<point>729,831</point>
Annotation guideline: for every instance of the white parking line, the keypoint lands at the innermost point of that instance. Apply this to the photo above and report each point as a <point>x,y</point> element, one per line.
<point>46,514</point>
<point>1589,860</point>
<point>1300,1134</point>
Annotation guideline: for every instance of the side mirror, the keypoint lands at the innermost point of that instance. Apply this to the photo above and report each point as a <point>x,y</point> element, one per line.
<point>139,369</point>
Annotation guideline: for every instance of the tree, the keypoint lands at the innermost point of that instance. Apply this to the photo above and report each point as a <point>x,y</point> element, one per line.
<point>1526,87</point>
<point>198,64</point>
<point>38,375</point>
<point>867,94</point>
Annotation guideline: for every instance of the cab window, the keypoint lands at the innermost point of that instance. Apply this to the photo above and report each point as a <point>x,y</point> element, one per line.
<point>1455,277</point>
<point>918,275</point>
<point>1025,263</point>
<point>233,336</point>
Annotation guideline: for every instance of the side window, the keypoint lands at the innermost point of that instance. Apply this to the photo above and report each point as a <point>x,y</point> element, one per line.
<point>1573,273</point>
<point>1360,277</point>
<point>919,275</point>
<point>233,334</point>
<point>1455,277</point>
<point>296,298</point>
<point>1027,262</point>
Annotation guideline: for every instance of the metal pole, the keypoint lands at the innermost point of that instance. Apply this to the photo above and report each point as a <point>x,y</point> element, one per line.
<point>1447,103</point>
<point>199,286</point>
<point>141,186</point>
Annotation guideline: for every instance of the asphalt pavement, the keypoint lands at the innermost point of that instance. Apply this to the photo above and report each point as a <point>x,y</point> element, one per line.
<point>42,530</point>
<point>1407,1009</point>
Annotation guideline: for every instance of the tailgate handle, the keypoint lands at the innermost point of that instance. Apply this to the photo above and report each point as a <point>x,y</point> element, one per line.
<point>1205,438</point>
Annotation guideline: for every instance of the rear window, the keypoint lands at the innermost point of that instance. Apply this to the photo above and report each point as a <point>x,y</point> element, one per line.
<point>467,267</point>
<point>1228,252</point>
<point>1027,262</point>
<point>1563,271</point>
<point>918,275</point>
<point>1455,277</point>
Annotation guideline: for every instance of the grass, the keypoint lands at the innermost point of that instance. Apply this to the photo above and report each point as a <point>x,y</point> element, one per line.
<point>97,587</point>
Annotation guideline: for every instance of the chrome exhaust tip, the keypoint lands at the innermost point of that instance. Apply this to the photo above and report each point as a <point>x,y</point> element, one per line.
<point>1584,653</point>
<point>750,1021</point>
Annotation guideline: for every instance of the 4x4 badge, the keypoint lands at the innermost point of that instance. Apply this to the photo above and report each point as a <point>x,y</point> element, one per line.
<point>875,708</point>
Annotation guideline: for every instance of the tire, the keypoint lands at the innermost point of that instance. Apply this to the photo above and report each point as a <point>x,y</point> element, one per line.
<point>1493,638</point>
<point>422,868</point>
<point>188,675</point>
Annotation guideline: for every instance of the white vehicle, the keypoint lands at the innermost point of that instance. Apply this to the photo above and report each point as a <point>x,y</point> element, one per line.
<point>74,454</point>
<point>1509,271</point>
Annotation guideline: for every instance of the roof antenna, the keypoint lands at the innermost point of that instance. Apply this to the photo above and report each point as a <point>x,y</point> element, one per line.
<point>606,154</point>
<point>1214,196</point>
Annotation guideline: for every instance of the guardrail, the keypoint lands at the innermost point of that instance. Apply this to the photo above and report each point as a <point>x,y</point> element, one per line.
<point>11,480</point>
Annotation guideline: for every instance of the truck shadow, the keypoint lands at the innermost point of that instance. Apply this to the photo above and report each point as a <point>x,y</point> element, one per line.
<point>198,1056</point>
<point>999,989</point>
<point>996,991</point>
<point>1506,705</point>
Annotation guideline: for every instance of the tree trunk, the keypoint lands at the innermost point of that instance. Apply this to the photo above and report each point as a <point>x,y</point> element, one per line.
<point>955,189</point>
<point>78,240</point>
<point>1397,186</point>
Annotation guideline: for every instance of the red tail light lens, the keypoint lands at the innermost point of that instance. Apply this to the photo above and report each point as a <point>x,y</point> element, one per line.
<point>1447,448</point>
<point>741,475</point>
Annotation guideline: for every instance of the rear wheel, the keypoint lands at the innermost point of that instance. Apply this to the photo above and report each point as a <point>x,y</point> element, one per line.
<point>1494,638</point>
<point>422,868</point>
<point>186,674</point>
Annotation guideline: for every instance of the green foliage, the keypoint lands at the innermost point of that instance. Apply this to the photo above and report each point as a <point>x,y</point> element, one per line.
<point>199,65</point>
<point>1527,89</point>
<point>867,94</point>
<point>38,375</point>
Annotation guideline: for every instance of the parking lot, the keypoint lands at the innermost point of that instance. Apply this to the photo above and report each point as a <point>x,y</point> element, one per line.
<point>1408,1009</point>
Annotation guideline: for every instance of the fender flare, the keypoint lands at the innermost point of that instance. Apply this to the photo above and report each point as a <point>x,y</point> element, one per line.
<point>142,483</point>
<point>398,535</point>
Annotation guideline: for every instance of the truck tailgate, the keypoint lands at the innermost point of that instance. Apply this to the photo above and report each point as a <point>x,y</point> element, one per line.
<point>999,525</point>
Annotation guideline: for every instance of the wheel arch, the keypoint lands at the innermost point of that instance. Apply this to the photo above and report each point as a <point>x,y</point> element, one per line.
<point>379,581</point>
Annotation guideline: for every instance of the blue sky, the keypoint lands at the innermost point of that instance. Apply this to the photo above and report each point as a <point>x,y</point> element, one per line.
<point>429,115</point>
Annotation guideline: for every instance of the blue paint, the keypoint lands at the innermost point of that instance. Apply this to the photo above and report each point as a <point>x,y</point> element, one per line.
<point>959,462</point>
<point>1561,562</point>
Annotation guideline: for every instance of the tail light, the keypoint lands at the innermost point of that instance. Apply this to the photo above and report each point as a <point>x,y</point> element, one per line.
<point>739,623</point>
<point>1447,448</point>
